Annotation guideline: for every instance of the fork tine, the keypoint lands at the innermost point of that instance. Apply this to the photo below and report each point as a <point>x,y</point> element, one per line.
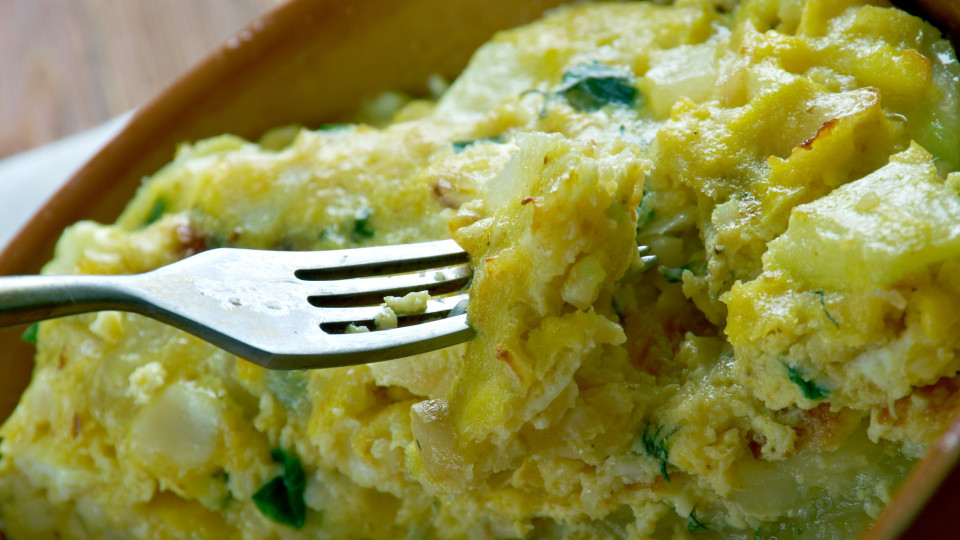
<point>343,316</point>
<point>351,349</point>
<point>250,302</point>
<point>372,290</point>
<point>396,343</point>
<point>348,263</point>
<point>647,262</point>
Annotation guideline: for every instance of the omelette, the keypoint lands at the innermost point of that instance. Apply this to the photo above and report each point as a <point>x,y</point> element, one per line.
<point>792,164</point>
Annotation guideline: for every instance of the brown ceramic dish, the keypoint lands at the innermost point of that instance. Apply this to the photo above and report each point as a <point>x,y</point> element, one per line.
<point>310,61</point>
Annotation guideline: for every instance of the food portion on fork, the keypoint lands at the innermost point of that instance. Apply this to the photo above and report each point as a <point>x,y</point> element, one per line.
<point>279,309</point>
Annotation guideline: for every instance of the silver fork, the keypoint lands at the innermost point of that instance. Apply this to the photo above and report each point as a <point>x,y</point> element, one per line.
<point>281,310</point>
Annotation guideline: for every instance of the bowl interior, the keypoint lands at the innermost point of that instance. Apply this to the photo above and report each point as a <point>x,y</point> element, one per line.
<point>312,61</point>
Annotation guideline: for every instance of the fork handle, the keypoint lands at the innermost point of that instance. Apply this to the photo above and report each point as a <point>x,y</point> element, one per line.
<point>26,299</point>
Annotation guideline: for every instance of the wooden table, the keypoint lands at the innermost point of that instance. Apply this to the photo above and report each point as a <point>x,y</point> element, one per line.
<point>68,65</point>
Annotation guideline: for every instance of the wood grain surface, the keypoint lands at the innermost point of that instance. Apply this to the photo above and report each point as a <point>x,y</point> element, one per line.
<point>68,65</point>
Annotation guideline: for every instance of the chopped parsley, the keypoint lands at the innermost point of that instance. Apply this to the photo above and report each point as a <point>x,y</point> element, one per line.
<point>824,306</point>
<point>156,212</point>
<point>354,229</point>
<point>810,389</point>
<point>460,146</point>
<point>694,525</point>
<point>672,275</point>
<point>654,444</point>
<point>333,126</point>
<point>723,286</point>
<point>361,225</point>
<point>221,490</point>
<point>281,499</point>
<point>30,334</point>
<point>675,275</point>
<point>644,211</point>
<point>590,86</point>
<point>222,475</point>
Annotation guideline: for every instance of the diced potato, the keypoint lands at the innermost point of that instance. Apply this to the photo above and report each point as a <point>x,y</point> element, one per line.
<point>685,71</point>
<point>385,319</point>
<point>874,231</point>
<point>409,304</point>
<point>583,282</point>
<point>177,434</point>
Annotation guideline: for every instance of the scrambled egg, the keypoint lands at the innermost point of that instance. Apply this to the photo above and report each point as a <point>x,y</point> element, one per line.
<point>790,163</point>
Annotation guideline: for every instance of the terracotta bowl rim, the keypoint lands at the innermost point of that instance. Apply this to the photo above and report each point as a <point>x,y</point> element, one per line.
<point>925,478</point>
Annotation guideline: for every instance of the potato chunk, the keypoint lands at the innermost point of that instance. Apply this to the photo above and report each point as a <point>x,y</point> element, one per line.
<point>873,231</point>
<point>176,434</point>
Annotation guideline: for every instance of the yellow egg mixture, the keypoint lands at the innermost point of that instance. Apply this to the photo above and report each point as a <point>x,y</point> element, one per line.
<point>790,163</point>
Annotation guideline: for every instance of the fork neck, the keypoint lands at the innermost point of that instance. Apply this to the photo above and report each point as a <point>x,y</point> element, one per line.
<point>26,299</point>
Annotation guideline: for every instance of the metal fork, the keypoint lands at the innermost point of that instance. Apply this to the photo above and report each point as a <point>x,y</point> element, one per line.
<point>281,310</point>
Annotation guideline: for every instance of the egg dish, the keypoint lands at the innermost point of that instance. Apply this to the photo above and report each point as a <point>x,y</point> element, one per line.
<point>793,166</point>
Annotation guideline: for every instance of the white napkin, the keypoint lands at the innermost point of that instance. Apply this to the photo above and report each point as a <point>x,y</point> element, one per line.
<point>28,179</point>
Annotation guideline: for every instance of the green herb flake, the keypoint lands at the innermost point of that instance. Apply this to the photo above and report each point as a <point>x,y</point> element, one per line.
<point>222,475</point>
<point>281,499</point>
<point>590,86</point>
<point>333,126</point>
<point>30,334</point>
<point>810,389</point>
<point>723,286</point>
<point>675,275</point>
<point>361,225</point>
<point>460,146</point>
<point>672,275</point>
<point>645,213</point>
<point>694,525</point>
<point>159,208</point>
<point>654,444</point>
<point>819,294</point>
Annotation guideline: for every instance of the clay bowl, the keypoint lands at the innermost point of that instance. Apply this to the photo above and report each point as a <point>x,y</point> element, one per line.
<point>312,61</point>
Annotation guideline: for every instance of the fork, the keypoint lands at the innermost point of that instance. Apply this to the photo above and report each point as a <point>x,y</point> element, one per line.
<point>281,310</point>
